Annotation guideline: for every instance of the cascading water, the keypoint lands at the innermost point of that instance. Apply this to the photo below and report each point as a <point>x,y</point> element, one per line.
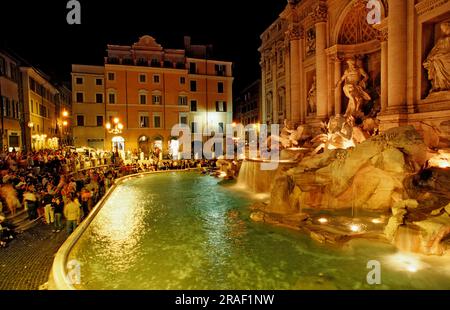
<point>253,178</point>
<point>407,239</point>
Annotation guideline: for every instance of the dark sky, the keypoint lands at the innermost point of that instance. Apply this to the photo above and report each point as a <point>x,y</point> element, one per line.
<point>38,31</point>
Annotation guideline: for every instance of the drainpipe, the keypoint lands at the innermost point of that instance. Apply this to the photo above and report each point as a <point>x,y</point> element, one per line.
<point>2,131</point>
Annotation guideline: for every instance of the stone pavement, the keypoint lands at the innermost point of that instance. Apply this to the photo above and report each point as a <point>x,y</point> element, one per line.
<point>25,264</point>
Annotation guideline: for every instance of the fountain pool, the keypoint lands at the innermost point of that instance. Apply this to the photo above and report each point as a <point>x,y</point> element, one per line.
<point>184,231</point>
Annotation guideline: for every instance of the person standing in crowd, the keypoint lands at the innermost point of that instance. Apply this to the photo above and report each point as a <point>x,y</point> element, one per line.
<point>47,203</point>
<point>58,209</point>
<point>30,201</point>
<point>72,213</point>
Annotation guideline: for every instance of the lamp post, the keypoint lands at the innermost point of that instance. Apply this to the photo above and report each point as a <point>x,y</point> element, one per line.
<point>65,124</point>
<point>31,126</point>
<point>115,128</point>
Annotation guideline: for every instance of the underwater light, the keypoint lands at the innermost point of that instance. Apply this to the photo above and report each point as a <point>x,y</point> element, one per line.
<point>406,262</point>
<point>355,227</point>
<point>377,221</point>
<point>322,220</point>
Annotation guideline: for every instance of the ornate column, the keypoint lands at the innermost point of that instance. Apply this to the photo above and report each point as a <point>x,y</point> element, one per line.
<point>338,90</point>
<point>320,19</point>
<point>295,33</point>
<point>302,95</point>
<point>263,112</point>
<point>287,75</point>
<point>383,37</point>
<point>397,74</point>
<point>330,79</point>
<point>273,62</point>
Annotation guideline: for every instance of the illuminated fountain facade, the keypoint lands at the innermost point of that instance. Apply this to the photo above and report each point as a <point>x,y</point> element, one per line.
<point>374,98</point>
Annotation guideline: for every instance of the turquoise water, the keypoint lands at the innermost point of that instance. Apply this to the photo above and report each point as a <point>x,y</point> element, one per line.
<point>184,231</point>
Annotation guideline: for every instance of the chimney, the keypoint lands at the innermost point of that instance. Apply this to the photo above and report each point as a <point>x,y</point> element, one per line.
<point>187,42</point>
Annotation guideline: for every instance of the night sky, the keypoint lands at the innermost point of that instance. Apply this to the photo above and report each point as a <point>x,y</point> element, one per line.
<point>38,31</point>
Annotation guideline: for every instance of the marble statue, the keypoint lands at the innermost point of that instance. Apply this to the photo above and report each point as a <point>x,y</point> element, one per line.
<point>290,136</point>
<point>312,98</point>
<point>438,62</point>
<point>355,79</point>
<point>339,134</point>
<point>310,42</point>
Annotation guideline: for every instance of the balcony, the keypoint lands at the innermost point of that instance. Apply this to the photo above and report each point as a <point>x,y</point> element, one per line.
<point>155,63</point>
<point>113,60</point>
<point>128,62</point>
<point>221,73</point>
<point>168,64</point>
<point>180,65</point>
<point>142,63</point>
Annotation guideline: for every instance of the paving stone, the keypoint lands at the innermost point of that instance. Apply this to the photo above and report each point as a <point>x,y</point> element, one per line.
<point>26,262</point>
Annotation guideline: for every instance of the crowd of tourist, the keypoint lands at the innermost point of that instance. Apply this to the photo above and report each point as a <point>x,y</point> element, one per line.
<point>53,186</point>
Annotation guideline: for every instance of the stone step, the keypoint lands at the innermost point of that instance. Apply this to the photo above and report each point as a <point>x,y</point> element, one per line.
<point>18,218</point>
<point>24,226</point>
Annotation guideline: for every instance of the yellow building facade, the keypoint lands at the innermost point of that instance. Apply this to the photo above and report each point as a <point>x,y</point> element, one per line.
<point>88,108</point>
<point>149,90</point>
<point>40,99</point>
<point>10,127</point>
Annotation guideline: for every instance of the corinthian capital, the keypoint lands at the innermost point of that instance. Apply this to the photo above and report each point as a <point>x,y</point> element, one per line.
<point>320,12</point>
<point>294,32</point>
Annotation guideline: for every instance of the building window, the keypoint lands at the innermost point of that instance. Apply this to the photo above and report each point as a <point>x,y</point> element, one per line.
<point>79,80</point>
<point>221,127</point>
<point>143,99</point>
<point>2,66</point>
<point>142,78</point>
<point>80,120</point>
<point>99,98</point>
<point>80,97</point>
<point>220,70</point>
<point>144,122</point>
<point>182,100</point>
<point>220,87</point>
<point>111,76</point>
<point>99,120</point>
<point>192,68</point>
<point>221,106</point>
<point>193,86</point>
<point>182,80</point>
<point>194,127</point>
<point>156,79</point>
<point>193,105</point>
<point>183,119</point>
<point>112,98</point>
<point>280,58</point>
<point>156,99</point>
<point>31,105</point>
<point>157,121</point>
<point>99,82</point>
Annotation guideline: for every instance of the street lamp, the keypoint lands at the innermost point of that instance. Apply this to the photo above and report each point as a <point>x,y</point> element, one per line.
<point>64,125</point>
<point>115,128</point>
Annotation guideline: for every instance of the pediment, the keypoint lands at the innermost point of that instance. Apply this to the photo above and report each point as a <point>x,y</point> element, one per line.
<point>147,43</point>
